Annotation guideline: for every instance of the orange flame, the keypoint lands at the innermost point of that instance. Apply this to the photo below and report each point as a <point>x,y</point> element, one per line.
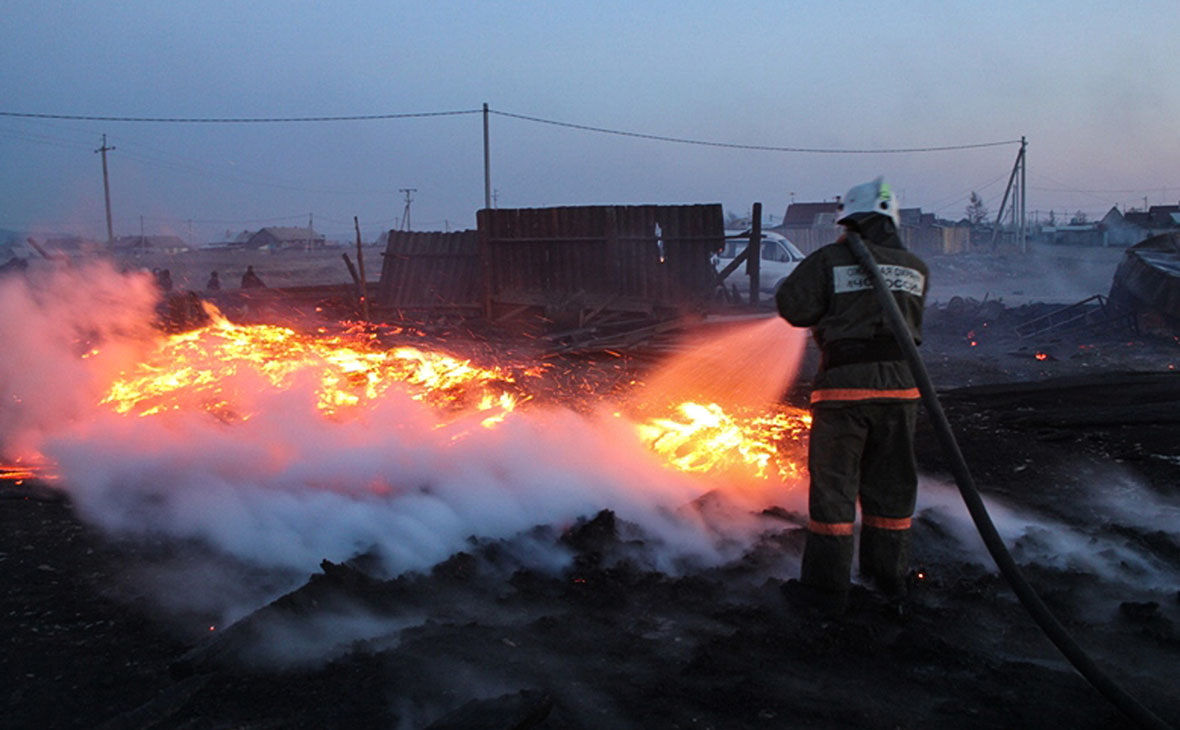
<point>707,439</point>
<point>215,370</point>
<point>200,367</point>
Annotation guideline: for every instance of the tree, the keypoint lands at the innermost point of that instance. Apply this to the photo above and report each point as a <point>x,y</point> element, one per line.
<point>976,210</point>
<point>1079,219</point>
<point>1052,218</point>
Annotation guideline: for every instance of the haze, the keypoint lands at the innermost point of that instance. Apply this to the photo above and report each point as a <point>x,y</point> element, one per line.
<point>1091,84</point>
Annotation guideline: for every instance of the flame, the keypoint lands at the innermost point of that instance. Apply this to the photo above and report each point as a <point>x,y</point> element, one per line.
<point>1042,356</point>
<point>218,368</point>
<point>200,367</point>
<point>20,469</point>
<point>707,439</point>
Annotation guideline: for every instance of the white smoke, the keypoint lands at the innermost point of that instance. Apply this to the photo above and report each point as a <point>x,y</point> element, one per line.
<point>1044,541</point>
<point>50,321</point>
<point>287,488</point>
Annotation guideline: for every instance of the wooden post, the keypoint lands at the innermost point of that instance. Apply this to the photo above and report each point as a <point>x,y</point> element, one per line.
<point>360,262</point>
<point>754,255</point>
<point>483,225</point>
<point>352,272</point>
<point>487,162</point>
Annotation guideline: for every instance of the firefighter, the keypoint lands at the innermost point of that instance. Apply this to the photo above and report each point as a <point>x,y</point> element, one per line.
<point>864,402</point>
<point>214,283</point>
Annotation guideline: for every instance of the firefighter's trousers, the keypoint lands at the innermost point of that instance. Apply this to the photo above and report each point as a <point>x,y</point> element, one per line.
<point>865,450</point>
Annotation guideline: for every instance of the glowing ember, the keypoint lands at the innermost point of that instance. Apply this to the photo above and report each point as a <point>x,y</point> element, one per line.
<point>1042,356</point>
<point>212,366</point>
<point>20,470</point>
<point>216,368</point>
<point>705,439</point>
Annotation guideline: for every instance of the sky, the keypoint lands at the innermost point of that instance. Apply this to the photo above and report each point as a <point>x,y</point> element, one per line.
<point>1091,85</point>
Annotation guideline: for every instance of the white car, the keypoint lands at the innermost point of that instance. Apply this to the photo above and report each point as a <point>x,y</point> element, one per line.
<point>779,258</point>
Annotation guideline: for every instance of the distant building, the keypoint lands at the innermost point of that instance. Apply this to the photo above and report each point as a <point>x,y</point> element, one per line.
<point>1077,234</point>
<point>925,233</point>
<point>813,225</point>
<point>229,239</point>
<point>810,215</point>
<point>152,244</point>
<point>1133,226</point>
<point>279,239</point>
<point>810,225</point>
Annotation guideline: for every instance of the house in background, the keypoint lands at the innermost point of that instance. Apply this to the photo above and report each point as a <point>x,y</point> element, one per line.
<point>813,225</point>
<point>1127,229</point>
<point>283,239</point>
<point>810,225</point>
<point>149,244</point>
<point>229,240</point>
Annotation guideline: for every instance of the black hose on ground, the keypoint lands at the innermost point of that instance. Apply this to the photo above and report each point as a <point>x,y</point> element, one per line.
<point>1057,633</point>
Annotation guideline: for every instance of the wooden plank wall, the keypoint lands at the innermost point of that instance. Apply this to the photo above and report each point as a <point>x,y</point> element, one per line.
<point>600,256</point>
<point>431,270</point>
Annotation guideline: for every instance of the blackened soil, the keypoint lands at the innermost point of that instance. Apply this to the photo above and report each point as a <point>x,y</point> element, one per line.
<point>484,641</point>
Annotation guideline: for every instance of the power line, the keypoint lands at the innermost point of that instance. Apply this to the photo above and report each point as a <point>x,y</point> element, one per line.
<point>761,148</point>
<point>1091,192</point>
<point>524,117</point>
<point>237,120</point>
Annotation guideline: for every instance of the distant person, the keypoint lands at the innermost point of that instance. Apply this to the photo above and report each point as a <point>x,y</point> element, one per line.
<point>250,280</point>
<point>163,279</point>
<point>214,282</point>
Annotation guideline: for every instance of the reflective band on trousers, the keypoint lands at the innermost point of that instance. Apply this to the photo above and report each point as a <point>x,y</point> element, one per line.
<point>887,523</point>
<point>829,528</point>
<point>828,394</point>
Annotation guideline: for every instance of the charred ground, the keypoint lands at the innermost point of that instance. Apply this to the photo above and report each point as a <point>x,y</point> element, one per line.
<point>487,640</point>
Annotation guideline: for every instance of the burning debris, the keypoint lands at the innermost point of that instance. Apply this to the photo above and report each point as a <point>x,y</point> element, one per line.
<point>454,503</point>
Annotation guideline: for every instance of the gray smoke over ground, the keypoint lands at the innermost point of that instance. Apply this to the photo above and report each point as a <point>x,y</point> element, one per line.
<point>53,322</point>
<point>1094,549</point>
<point>287,488</point>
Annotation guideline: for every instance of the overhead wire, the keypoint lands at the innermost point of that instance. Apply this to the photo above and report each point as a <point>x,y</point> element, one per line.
<point>238,120</point>
<point>513,115</point>
<point>755,147</point>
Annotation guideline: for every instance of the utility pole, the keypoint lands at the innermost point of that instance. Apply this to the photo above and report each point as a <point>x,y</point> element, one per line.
<point>106,188</point>
<point>487,162</point>
<point>1018,166</point>
<point>406,212</point>
<point>1023,197</point>
<point>495,198</point>
<point>310,228</point>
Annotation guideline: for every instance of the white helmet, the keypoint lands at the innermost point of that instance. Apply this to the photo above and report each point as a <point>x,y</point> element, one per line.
<point>870,197</point>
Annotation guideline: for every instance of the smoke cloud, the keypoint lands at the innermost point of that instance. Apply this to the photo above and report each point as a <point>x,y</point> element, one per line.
<point>1033,539</point>
<point>287,487</point>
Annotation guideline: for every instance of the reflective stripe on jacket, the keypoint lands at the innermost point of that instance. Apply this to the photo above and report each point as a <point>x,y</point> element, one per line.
<point>831,294</point>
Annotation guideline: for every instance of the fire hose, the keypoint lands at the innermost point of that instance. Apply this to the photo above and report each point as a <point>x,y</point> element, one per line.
<point>1028,596</point>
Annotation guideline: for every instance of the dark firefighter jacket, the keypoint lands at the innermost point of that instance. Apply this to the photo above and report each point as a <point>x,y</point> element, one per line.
<point>831,294</point>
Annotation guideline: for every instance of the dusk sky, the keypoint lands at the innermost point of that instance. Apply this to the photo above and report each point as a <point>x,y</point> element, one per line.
<point>1093,86</point>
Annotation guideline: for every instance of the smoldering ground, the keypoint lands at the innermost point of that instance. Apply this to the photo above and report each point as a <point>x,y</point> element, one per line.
<point>286,488</point>
<point>474,569</point>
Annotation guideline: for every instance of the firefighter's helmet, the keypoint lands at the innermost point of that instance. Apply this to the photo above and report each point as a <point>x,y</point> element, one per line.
<point>870,197</point>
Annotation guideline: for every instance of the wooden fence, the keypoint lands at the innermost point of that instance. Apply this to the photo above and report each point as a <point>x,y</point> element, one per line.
<point>629,258</point>
<point>431,271</point>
